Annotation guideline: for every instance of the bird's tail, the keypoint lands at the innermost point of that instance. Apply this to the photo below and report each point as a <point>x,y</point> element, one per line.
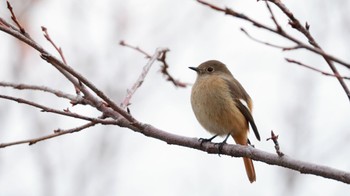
<point>248,163</point>
<point>249,168</point>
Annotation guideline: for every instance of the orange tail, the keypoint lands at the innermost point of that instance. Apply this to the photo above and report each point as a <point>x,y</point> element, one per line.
<point>248,163</point>
<point>249,168</point>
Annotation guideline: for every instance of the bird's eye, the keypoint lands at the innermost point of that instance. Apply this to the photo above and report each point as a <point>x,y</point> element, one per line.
<point>210,69</point>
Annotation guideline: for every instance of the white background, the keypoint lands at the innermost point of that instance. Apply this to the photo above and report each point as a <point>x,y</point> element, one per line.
<point>309,111</point>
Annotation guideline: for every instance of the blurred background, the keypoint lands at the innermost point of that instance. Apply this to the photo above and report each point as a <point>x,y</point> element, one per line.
<point>309,111</point>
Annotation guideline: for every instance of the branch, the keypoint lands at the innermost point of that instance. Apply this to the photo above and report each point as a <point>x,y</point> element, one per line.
<point>242,16</point>
<point>14,19</point>
<point>162,59</point>
<point>124,119</point>
<point>314,69</point>
<point>246,151</point>
<point>74,99</point>
<point>295,24</point>
<point>64,112</point>
<point>56,133</point>
<point>142,77</point>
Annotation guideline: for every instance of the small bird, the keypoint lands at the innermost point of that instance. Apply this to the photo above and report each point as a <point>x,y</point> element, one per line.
<point>223,107</point>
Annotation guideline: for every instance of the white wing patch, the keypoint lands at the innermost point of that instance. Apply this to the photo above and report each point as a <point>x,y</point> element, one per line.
<point>244,103</point>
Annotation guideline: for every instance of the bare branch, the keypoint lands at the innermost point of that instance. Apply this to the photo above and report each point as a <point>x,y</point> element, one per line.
<point>14,18</point>
<point>48,38</point>
<point>265,43</point>
<point>165,72</point>
<point>274,138</point>
<point>142,77</point>
<point>314,69</point>
<point>295,24</point>
<point>64,112</point>
<point>123,43</point>
<point>56,133</point>
<point>124,119</point>
<point>245,151</point>
<point>74,99</point>
<point>164,68</point>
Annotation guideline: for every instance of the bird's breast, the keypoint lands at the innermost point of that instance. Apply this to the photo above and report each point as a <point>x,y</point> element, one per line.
<point>214,107</point>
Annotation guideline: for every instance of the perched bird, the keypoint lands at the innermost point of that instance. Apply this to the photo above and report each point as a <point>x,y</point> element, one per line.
<point>223,107</point>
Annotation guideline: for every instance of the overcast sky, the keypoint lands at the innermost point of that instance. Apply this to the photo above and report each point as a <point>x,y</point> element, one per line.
<point>309,111</point>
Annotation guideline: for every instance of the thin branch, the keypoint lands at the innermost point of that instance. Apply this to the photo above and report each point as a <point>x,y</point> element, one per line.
<point>14,19</point>
<point>64,112</point>
<point>265,43</point>
<point>274,138</point>
<point>165,72</point>
<point>142,77</point>
<point>48,38</point>
<point>130,122</point>
<point>242,16</point>
<point>314,69</point>
<point>164,67</point>
<point>56,133</point>
<point>74,99</point>
<point>123,43</point>
<point>72,75</point>
<point>294,22</point>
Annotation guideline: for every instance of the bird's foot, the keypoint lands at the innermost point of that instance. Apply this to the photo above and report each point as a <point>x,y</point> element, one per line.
<point>221,144</point>
<point>202,140</point>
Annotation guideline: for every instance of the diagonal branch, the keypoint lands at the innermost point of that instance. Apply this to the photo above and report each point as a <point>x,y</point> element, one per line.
<point>295,24</point>
<point>138,83</point>
<point>74,99</point>
<point>162,59</point>
<point>56,133</point>
<point>14,19</point>
<point>314,69</point>
<point>65,112</point>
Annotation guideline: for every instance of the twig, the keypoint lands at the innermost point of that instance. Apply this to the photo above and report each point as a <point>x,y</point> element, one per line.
<point>48,38</point>
<point>165,72</point>
<point>123,43</point>
<point>164,67</point>
<point>265,43</point>
<point>60,52</point>
<point>300,44</point>
<point>65,112</point>
<point>14,18</point>
<point>56,133</point>
<point>294,22</point>
<point>274,138</point>
<point>314,69</point>
<point>130,122</point>
<point>142,77</point>
<point>74,99</point>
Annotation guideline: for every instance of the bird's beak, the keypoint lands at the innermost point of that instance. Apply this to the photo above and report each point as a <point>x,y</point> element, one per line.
<point>194,69</point>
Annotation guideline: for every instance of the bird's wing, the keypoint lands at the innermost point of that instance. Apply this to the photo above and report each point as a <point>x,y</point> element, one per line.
<point>242,100</point>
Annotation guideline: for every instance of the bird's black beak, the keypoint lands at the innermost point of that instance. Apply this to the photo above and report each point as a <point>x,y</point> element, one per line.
<point>194,69</point>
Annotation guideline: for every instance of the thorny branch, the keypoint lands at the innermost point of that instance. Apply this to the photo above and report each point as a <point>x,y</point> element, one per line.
<point>97,99</point>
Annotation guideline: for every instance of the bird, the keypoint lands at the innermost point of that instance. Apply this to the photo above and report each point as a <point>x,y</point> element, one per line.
<point>223,107</point>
